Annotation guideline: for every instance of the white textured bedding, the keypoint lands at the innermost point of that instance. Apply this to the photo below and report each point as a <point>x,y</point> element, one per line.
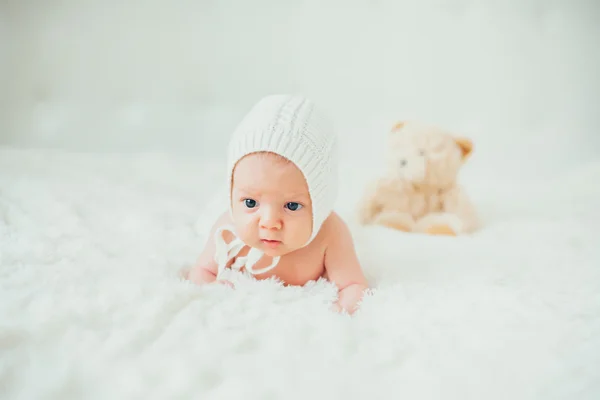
<point>91,304</point>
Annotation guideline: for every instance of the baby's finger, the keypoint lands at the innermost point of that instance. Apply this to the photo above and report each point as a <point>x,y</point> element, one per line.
<point>336,307</point>
<point>225,282</point>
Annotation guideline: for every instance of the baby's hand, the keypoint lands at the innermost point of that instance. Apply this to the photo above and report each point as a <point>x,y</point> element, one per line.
<point>336,307</point>
<point>225,282</point>
<point>342,266</point>
<point>201,276</point>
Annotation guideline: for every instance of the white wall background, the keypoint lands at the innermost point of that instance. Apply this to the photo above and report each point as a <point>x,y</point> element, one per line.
<point>520,77</point>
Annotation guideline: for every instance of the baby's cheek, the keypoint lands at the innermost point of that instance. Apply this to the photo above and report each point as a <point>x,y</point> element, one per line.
<point>308,225</point>
<point>240,222</point>
<point>303,229</point>
<point>246,236</point>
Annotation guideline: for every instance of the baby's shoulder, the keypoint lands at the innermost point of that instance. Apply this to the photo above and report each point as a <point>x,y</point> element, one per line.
<point>334,220</point>
<point>334,228</point>
<point>223,220</point>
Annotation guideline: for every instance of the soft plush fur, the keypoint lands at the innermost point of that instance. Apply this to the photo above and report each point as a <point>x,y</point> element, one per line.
<point>419,190</point>
<point>92,305</point>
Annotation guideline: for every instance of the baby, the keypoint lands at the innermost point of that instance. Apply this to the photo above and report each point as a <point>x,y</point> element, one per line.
<point>282,187</point>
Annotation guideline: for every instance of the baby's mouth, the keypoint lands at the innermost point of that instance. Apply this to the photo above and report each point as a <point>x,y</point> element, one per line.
<point>271,243</point>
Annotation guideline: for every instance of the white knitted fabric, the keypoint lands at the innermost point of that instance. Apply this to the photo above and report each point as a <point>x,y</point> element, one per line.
<point>294,128</point>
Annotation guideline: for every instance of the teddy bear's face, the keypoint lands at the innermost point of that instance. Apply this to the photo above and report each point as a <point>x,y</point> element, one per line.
<point>425,155</point>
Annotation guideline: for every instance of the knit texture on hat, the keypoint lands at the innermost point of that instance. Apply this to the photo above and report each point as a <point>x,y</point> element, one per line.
<point>292,127</point>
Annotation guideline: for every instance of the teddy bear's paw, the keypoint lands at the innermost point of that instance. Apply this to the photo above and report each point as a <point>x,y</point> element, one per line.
<point>395,225</point>
<point>440,230</point>
<point>440,224</point>
<point>398,221</point>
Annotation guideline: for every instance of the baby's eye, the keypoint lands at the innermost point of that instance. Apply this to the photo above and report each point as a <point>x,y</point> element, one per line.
<point>250,203</point>
<point>293,206</point>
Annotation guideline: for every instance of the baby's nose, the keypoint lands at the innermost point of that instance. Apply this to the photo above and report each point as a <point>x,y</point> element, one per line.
<point>270,220</point>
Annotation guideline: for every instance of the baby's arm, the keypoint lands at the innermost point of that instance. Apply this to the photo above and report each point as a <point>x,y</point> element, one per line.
<point>206,268</point>
<point>342,266</point>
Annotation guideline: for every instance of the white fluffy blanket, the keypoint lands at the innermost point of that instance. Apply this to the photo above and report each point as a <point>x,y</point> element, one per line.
<point>92,306</point>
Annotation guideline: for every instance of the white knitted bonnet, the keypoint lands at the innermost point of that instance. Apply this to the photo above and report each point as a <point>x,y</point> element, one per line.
<point>292,127</point>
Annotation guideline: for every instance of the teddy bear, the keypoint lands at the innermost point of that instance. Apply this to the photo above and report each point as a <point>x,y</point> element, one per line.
<point>419,191</point>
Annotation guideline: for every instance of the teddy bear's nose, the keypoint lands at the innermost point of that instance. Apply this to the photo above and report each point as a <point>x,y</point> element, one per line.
<point>402,163</point>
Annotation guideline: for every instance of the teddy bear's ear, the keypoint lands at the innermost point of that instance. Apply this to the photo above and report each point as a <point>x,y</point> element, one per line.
<point>465,145</point>
<point>397,126</point>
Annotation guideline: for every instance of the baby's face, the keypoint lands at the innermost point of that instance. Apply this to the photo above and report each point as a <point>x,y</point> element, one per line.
<point>271,205</point>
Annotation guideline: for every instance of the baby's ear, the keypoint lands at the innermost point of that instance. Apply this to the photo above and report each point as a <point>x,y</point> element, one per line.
<point>465,145</point>
<point>399,125</point>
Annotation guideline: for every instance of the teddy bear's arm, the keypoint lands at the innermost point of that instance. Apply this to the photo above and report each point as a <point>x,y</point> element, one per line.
<point>387,203</point>
<point>457,216</point>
